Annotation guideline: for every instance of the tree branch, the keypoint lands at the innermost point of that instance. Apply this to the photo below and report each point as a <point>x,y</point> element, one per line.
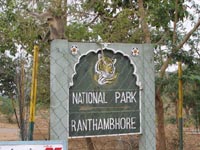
<point>166,63</point>
<point>197,52</point>
<point>93,20</point>
<point>180,45</point>
<point>187,36</point>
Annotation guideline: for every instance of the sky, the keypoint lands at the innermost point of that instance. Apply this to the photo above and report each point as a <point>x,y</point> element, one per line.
<point>188,25</point>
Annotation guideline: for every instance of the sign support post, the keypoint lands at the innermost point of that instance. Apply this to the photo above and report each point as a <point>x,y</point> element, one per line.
<point>33,92</point>
<point>180,105</point>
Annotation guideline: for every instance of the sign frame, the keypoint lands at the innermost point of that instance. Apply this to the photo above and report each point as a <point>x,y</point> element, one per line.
<point>137,83</point>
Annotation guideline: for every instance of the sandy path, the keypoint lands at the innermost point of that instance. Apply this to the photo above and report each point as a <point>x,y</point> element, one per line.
<point>8,131</point>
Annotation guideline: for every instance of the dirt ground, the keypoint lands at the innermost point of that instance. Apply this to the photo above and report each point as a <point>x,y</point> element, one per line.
<point>190,136</point>
<point>10,132</point>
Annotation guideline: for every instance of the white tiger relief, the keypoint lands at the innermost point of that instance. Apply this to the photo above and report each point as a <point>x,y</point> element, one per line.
<point>105,70</point>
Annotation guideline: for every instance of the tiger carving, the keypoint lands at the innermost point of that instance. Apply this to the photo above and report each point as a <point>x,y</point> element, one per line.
<point>105,70</point>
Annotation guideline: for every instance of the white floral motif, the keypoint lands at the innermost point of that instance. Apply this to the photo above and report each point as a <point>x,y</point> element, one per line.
<point>135,51</point>
<point>74,49</point>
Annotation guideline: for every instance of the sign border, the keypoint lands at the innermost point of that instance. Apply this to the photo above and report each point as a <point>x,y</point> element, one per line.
<point>138,83</point>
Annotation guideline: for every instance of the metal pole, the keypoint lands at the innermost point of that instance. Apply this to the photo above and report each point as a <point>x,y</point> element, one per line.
<point>33,92</point>
<point>180,105</point>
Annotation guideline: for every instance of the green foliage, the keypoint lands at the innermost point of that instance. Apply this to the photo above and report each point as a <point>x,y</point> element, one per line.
<point>7,76</point>
<point>16,28</point>
<point>162,12</point>
<point>195,78</point>
<point>112,25</point>
<point>6,108</point>
<point>184,57</point>
<point>189,122</point>
<point>171,120</point>
<point>78,32</point>
<point>169,85</point>
<point>191,88</point>
<point>43,87</point>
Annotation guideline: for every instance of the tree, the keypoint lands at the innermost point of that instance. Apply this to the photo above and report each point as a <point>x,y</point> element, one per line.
<point>7,76</point>
<point>190,86</point>
<point>23,32</point>
<point>146,23</point>
<point>191,97</point>
<point>14,84</point>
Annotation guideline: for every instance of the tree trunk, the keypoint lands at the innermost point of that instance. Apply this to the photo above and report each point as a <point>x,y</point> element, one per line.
<point>143,22</point>
<point>161,144</point>
<point>176,110</point>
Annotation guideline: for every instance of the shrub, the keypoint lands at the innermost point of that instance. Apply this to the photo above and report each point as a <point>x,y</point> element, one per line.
<point>6,108</point>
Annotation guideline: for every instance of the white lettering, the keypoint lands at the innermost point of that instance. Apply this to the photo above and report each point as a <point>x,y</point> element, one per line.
<point>117,123</point>
<point>132,123</point>
<point>133,97</point>
<point>95,124</point>
<point>112,125</point>
<point>88,98</point>
<point>73,125</point>
<point>89,120</point>
<point>125,97</point>
<point>79,126</point>
<point>124,123</point>
<point>106,123</point>
<point>100,125</point>
<point>117,96</point>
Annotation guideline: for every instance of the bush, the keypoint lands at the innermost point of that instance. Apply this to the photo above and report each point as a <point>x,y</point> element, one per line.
<point>6,108</point>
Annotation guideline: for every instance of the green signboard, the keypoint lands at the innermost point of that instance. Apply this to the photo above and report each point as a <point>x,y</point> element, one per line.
<point>104,97</point>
